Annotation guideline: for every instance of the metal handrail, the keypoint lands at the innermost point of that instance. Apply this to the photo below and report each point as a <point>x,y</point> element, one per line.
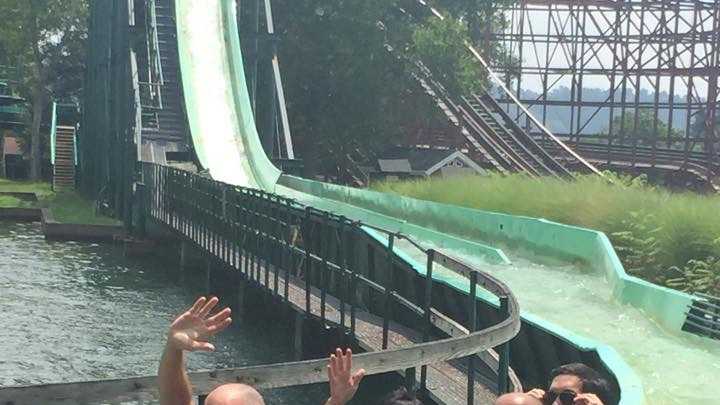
<point>225,221</point>
<point>10,74</point>
<point>155,73</point>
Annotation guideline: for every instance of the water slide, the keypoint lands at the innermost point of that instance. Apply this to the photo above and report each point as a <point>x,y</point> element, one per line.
<point>569,281</point>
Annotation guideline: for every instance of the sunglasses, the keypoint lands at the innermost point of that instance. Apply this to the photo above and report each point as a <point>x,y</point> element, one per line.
<point>566,397</point>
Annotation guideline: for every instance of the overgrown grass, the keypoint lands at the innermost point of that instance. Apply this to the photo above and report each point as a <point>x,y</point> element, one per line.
<point>668,238</point>
<point>40,188</point>
<point>68,207</point>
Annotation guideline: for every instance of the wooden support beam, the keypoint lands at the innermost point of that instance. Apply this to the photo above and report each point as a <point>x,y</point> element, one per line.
<point>240,300</point>
<point>298,336</point>
<point>208,271</point>
<point>183,259</point>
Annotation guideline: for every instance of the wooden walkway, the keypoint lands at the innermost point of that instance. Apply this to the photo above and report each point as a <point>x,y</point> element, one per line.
<point>446,383</point>
<point>252,233</point>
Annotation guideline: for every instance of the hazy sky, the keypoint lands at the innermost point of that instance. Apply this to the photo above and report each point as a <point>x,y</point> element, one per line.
<point>600,54</point>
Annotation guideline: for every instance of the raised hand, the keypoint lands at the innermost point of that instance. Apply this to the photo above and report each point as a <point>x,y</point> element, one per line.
<point>587,399</point>
<point>537,393</point>
<point>343,384</point>
<point>192,329</point>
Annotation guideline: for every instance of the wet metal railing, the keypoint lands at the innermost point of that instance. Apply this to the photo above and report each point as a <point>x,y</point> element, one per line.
<point>703,317</point>
<point>289,249</point>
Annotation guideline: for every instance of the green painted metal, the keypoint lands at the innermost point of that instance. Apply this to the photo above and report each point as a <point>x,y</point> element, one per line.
<point>13,109</point>
<point>666,306</point>
<point>53,133</point>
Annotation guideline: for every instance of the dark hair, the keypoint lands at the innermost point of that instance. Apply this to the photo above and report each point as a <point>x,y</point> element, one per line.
<point>401,396</point>
<point>592,381</point>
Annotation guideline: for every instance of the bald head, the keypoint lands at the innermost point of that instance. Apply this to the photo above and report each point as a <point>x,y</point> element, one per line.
<point>234,394</point>
<point>517,398</point>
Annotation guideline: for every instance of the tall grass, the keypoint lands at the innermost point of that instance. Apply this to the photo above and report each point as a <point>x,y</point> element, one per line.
<point>658,234</point>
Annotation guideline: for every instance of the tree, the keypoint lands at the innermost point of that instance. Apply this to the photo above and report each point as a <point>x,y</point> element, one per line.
<point>483,20</point>
<point>344,85</point>
<point>440,44</point>
<point>644,132</point>
<point>347,71</point>
<point>46,38</point>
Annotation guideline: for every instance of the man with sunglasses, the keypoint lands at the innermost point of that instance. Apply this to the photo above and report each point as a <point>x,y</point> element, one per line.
<point>575,384</point>
<point>571,384</point>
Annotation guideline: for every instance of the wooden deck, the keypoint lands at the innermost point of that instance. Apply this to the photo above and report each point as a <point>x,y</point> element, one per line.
<point>255,225</point>
<point>446,383</point>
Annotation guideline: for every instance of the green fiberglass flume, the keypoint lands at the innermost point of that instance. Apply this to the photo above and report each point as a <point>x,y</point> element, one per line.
<point>586,298</point>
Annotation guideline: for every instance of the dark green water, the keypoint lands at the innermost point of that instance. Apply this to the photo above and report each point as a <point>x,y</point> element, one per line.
<point>78,311</point>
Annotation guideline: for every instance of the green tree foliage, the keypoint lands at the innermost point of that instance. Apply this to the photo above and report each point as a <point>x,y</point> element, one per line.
<point>637,245</point>
<point>698,276</point>
<point>347,70</point>
<point>483,20</point>
<point>46,38</point>
<point>346,84</point>
<point>440,45</point>
<point>644,132</point>
<point>481,16</point>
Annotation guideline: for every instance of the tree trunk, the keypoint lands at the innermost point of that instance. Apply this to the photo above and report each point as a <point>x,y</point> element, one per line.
<point>35,152</point>
<point>38,97</point>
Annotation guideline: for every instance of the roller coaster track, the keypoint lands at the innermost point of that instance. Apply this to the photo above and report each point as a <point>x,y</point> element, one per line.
<point>643,157</point>
<point>490,130</point>
<point>497,139</point>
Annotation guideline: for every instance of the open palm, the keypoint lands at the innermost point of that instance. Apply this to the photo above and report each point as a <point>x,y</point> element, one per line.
<point>343,383</point>
<point>194,327</point>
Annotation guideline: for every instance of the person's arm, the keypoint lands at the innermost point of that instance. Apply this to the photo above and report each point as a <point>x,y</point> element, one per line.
<point>536,393</point>
<point>189,332</point>
<point>343,384</point>
<point>173,380</point>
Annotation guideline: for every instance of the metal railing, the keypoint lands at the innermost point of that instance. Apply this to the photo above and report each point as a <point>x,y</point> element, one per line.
<point>10,74</point>
<point>703,317</point>
<point>293,250</point>
<point>151,91</point>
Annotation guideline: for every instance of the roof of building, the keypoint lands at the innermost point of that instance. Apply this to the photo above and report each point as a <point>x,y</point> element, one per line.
<point>411,158</point>
<point>419,160</point>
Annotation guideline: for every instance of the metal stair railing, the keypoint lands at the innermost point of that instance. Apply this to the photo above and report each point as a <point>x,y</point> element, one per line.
<point>151,91</point>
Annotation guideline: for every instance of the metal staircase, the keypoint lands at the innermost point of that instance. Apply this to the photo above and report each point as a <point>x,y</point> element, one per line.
<point>64,167</point>
<point>164,122</point>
